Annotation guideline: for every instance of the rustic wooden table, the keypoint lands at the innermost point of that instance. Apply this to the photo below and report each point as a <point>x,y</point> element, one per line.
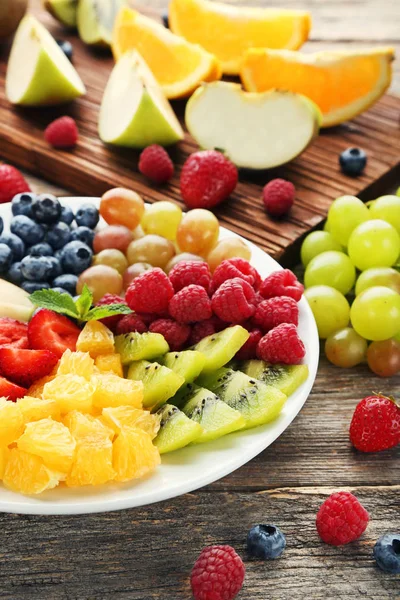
<point>147,554</point>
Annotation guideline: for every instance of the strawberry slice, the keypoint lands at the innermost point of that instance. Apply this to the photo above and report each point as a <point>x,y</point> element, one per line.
<point>11,390</point>
<point>48,330</point>
<point>13,333</point>
<point>24,367</point>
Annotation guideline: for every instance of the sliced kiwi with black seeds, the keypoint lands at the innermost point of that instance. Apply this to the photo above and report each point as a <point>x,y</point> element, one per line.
<point>140,346</point>
<point>176,429</point>
<point>220,348</point>
<point>187,363</point>
<point>257,402</point>
<point>159,382</point>
<point>286,378</point>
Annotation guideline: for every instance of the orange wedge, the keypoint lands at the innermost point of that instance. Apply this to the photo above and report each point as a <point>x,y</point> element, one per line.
<point>342,84</point>
<point>178,65</point>
<point>228,31</point>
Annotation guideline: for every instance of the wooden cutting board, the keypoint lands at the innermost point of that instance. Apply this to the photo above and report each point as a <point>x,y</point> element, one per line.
<point>92,168</point>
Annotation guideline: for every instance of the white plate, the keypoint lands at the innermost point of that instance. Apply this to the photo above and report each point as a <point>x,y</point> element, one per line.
<point>190,468</point>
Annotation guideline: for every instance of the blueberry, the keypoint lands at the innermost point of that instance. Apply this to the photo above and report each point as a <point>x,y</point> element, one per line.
<point>25,228</point>
<point>58,235</point>
<point>46,209</point>
<point>165,19</point>
<point>42,249</point>
<point>15,274</point>
<point>66,47</point>
<point>60,290</point>
<point>265,541</point>
<point>87,215</point>
<point>67,215</point>
<point>352,161</point>
<point>387,553</point>
<point>37,268</point>
<point>58,253</point>
<point>56,270</point>
<point>1,225</point>
<point>6,258</point>
<point>67,281</point>
<point>21,204</point>
<point>34,286</point>
<point>76,257</point>
<point>83,234</point>
<point>15,243</point>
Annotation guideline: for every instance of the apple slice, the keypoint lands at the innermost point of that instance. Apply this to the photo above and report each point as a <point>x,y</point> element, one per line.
<point>256,131</point>
<point>134,112</point>
<point>62,10</point>
<point>14,302</point>
<point>96,20</point>
<point>38,71</point>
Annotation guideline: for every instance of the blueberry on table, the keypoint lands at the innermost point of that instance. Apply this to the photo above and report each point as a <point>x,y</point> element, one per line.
<point>41,249</point>
<point>87,215</point>
<point>56,269</point>
<point>58,236</point>
<point>67,282</point>
<point>34,286</point>
<point>37,268</point>
<point>46,209</point>
<point>15,243</point>
<point>15,274</point>
<point>387,553</point>
<point>67,215</point>
<point>26,229</point>
<point>352,161</point>
<point>265,542</point>
<point>83,234</point>
<point>6,258</point>
<point>21,204</point>
<point>67,48</point>
<point>76,257</point>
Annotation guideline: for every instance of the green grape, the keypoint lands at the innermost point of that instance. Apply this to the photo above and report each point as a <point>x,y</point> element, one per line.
<point>375,313</point>
<point>327,226</point>
<point>398,192</point>
<point>162,218</point>
<point>374,244</point>
<point>344,215</point>
<point>331,268</point>
<point>316,243</point>
<point>378,276</point>
<point>387,208</point>
<point>345,348</point>
<point>384,357</point>
<point>330,309</point>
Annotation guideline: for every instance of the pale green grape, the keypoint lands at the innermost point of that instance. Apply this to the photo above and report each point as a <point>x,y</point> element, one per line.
<point>162,218</point>
<point>344,215</point>
<point>375,313</point>
<point>330,309</point>
<point>316,243</point>
<point>374,244</point>
<point>327,226</point>
<point>388,209</point>
<point>331,268</point>
<point>345,348</point>
<point>378,276</point>
<point>398,192</point>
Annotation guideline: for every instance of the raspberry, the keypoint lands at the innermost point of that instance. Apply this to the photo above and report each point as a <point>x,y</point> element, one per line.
<point>205,328</point>
<point>282,283</point>
<point>190,272</point>
<point>130,323</point>
<point>190,305</point>
<point>155,163</point>
<point>278,197</point>
<point>281,345</point>
<point>341,519</point>
<point>217,574</point>
<point>274,311</point>
<point>235,267</point>
<point>176,334</point>
<point>249,348</point>
<point>150,292</point>
<point>12,183</point>
<point>207,178</point>
<point>62,133</point>
<point>375,424</point>
<point>111,322</point>
<point>233,302</point>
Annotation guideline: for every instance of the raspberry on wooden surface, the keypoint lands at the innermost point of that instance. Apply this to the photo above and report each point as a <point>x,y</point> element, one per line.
<point>341,519</point>
<point>62,133</point>
<point>217,574</point>
<point>155,164</point>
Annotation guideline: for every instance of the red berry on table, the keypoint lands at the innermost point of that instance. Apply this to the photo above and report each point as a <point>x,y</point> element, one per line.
<point>190,272</point>
<point>48,330</point>
<point>150,292</point>
<point>249,348</point>
<point>191,304</point>
<point>217,574</point>
<point>12,183</point>
<point>207,178</point>
<point>341,519</point>
<point>13,333</point>
<point>111,322</point>
<point>274,311</point>
<point>281,283</point>
<point>281,345</point>
<point>278,197</point>
<point>10,390</point>
<point>155,164</point>
<point>375,424</point>
<point>62,133</point>
<point>130,323</point>
<point>235,267</point>
<point>24,367</point>
<point>233,302</point>
<point>176,334</point>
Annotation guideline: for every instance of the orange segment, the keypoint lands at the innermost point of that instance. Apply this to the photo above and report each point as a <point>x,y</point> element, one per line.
<point>36,389</point>
<point>87,427</point>
<point>178,65</point>
<point>227,31</point>
<point>27,474</point>
<point>111,390</point>
<point>122,417</point>
<point>11,422</point>
<point>342,84</point>
<point>134,455</point>
<point>71,392</point>
<point>96,339</point>
<point>92,463</point>
<point>35,409</point>
<point>4,454</point>
<point>109,363</point>
<point>76,363</point>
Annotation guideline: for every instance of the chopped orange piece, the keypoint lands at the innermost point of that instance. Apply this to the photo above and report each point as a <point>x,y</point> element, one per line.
<point>71,392</point>
<point>122,417</point>
<point>86,426</point>
<point>35,409</point>
<point>96,339</point>
<point>109,363</point>
<point>11,422</point>
<point>76,363</point>
<point>27,473</point>
<point>134,455</point>
<point>36,389</point>
<point>111,390</point>
<point>4,454</point>
<point>92,462</point>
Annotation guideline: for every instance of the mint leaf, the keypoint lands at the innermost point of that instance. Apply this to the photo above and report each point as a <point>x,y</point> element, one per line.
<point>109,310</point>
<point>55,301</point>
<point>84,302</point>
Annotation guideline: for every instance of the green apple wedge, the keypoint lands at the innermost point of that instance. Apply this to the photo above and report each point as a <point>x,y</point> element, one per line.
<point>63,10</point>
<point>96,19</point>
<point>256,131</point>
<point>134,111</point>
<point>38,72</point>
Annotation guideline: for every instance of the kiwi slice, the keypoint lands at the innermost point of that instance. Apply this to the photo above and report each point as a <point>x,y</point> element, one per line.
<point>159,382</point>
<point>139,346</point>
<point>286,378</point>
<point>188,363</point>
<point>221,347</point>
<point>176,429</point>
<point>215,417</point>
<point>257,402</point>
